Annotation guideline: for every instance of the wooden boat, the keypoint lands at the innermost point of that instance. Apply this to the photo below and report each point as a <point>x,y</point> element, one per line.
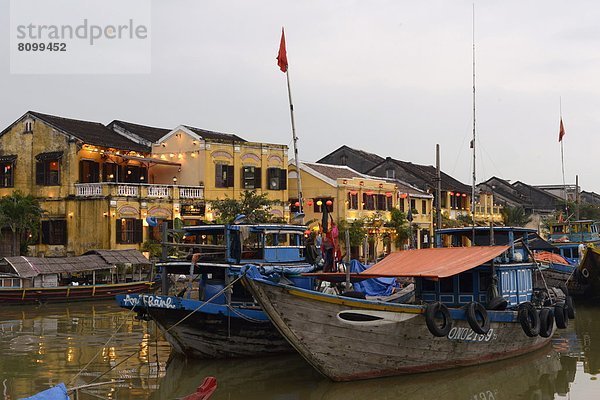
<point>221,323</point>
<point>97,275</point>
<point>205,390</point>
<point>351,339</point>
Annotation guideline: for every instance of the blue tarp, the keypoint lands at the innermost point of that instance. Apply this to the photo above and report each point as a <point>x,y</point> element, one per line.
<point>373,286</point>
<point>58,392</point>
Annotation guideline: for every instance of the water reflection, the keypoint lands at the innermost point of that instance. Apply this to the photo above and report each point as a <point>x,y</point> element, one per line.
<point>538,375</point>
<point>41,346</point>
<point>44,345</point>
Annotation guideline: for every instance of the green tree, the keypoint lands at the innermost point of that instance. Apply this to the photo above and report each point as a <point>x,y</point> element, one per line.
<point>400,225</point>
<point>21,214</point>
<point>515,216</point>
<point>256,207</point>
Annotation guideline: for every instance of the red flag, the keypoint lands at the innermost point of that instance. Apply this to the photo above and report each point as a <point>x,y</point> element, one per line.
<point>561,132</point>
<point>282,55</point>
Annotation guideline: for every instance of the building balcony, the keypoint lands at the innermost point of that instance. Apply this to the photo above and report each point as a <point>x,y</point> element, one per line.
<point>138,190</point>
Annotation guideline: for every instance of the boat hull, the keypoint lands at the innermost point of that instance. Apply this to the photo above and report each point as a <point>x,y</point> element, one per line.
<point>64,294</point>
<point>335,335</point>
<point>212,331</point>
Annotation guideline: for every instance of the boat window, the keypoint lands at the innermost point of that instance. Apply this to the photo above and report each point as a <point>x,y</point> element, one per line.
<point>358,317</point>
<point>485,278</point>
<point>465,282</point>
<point>428,285</point>
<point>447,285</point>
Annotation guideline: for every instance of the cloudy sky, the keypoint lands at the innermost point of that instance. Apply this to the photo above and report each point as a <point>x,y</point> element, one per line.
<point>389,77</point>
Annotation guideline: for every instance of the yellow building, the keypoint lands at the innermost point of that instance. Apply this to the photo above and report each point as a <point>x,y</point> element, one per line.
<point>102,186</point>
<point>350,195</point>
<point>225,165</point>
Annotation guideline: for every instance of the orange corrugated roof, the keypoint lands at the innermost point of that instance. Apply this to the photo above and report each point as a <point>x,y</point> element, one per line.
<point>434,263</point>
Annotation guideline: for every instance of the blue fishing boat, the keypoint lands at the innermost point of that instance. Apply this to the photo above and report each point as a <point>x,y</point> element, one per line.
<point>215,316</point>
<point>452,322</point>
<point>573,237</point>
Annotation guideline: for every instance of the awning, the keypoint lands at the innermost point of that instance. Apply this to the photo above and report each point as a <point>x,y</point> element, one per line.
<point>434,263</point>
<point>144,159</point>
<point>28,267</point>
<point>8,158</point>
<point>51,155</point>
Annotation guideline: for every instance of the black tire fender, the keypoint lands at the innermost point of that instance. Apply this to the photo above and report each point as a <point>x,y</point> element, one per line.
<point>529,319</point>
<point>431,312</point>
<point>570,307</point>
<point>546,322</point>
<point>561,315</point>
<point>497,303</point>
<point>478,318</point>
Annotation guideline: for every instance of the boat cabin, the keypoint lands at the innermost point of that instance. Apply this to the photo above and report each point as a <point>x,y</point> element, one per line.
<point>515,284</point>
<point>581,231</point>
<point>456,276</point>
<point>216,251</point>
<point>244,244</point>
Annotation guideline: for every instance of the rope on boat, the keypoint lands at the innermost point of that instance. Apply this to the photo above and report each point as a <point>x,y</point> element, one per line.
<point>220,292</point>
<point>242,316</point>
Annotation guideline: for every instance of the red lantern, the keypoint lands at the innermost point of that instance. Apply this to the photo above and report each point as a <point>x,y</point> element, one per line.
<point>464,195</point>
<point>297,204</point>
<point>329,202</point>
<point>404,195</point>
<point>310,203</point>
<point>457,194</point>
<point>451,193</point>
<point>388,194</point>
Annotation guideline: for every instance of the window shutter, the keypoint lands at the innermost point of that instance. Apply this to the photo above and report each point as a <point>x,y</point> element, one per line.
<point>45,231</point>
<point>138,231</point>
<point>282,179</point>
<point>39,173</point>
<point>63,226</point>
<point>257,178</point>
<point>229,182</point>
<point>81,172</point>
<point>95,172</point>
<point>118,230</point>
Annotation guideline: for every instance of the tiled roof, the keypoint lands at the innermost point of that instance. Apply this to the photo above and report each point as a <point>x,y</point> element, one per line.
<point>427,173</point>
<point>90,132</point>
<point>334,171</point>
<point>374,158</point>
<point>150,133</point>
<point>215,135</point>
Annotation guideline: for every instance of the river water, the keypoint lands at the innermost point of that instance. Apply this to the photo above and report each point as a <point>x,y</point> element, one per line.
<point>85,343</point>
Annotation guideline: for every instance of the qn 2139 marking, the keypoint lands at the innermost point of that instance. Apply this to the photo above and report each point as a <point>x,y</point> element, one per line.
<point>469,335</point>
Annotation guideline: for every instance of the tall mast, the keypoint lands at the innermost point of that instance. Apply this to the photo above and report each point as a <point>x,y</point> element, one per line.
<point>473,140</point>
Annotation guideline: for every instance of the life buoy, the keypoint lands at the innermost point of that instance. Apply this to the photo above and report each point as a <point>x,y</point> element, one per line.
<point>434,310</point>
<point>570,307</point>
<point>478,318</point>
<point>529,319</point>
<point>561,316</point>
<point>585,273</point>
<point>546,322</point>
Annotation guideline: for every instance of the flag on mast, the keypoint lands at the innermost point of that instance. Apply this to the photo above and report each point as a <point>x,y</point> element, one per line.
<point>282,61</point>
<point>561,132</point>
